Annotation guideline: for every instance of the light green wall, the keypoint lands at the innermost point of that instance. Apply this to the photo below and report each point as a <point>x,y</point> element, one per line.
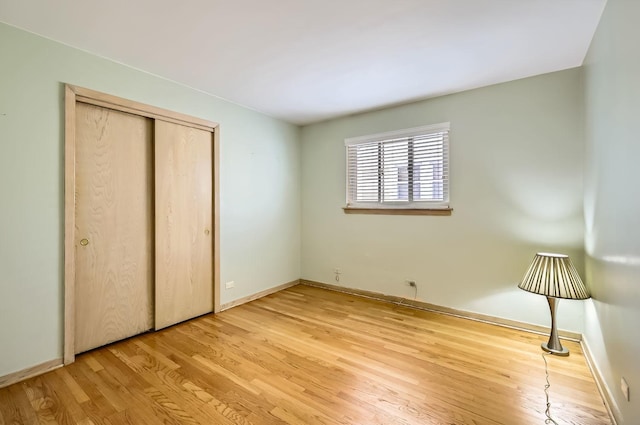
<point>516,188</point>
<point>259,174</point>
<point>612,202</point>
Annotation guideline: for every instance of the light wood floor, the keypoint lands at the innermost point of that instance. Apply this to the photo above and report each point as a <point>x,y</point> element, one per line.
<point>311,356</point>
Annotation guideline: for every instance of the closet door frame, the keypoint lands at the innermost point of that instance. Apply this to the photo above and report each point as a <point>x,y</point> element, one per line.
<point>73,95</point>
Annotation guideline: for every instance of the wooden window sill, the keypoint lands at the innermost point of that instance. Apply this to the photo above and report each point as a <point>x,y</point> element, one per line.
<point>399,211</point>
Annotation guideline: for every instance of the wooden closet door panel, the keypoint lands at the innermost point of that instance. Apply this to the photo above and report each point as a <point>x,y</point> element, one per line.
<point>184,239</point>
<point>114,226</point>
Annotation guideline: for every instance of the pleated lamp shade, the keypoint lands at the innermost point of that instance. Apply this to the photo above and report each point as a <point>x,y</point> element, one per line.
<point>555,276</point>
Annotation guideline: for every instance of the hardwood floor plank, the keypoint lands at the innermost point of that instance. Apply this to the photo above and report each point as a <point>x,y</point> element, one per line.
<point>68,410</point>
<point>9,411</point>
<point>48,406</point>
<point>173,383</point>
<point>79,395</point>
<point>20,399</point>
<point>307,355</point>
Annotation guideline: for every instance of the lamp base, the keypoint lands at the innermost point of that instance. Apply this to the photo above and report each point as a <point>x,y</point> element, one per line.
<point>561,352</point>
<point>554,346</point>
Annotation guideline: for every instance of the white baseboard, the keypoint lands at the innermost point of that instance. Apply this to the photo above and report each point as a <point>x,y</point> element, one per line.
<point>605,391</point>
<point>260,294</point>
<point>29,372</point>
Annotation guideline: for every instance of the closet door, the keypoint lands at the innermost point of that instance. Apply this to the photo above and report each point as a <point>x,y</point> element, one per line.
<point>114,226</point>
<point>183,228</point>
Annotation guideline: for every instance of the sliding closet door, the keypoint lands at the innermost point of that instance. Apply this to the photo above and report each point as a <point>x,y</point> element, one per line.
<point>114,226</point>
<point>184,237</point>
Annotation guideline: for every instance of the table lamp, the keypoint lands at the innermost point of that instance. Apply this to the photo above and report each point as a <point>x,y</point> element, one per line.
<point>554,276</point>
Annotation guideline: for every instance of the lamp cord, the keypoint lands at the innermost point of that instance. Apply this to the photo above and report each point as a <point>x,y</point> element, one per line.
<point>547,411</point>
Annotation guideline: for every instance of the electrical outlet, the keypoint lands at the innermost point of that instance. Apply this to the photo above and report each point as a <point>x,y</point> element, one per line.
<point>337,272</point>
<point>230,284</point>
<point>625,388</point>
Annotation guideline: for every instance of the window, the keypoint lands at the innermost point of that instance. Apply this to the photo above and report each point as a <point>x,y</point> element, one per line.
<point>399,170</point>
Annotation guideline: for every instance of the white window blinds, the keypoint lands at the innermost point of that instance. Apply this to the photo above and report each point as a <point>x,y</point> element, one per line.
<point>401,169</point>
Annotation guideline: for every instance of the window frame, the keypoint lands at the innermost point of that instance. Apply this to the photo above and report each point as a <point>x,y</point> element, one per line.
<point>424,207</point>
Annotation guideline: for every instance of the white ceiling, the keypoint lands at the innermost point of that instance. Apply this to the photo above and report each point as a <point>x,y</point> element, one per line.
<point>309,60</point>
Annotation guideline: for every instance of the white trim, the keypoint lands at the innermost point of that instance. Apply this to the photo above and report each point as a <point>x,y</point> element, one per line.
<point>29,372</point>
<point>407,132</point>
<point>605,392</point>
<point>415,205</point>
<point>258,295</point>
